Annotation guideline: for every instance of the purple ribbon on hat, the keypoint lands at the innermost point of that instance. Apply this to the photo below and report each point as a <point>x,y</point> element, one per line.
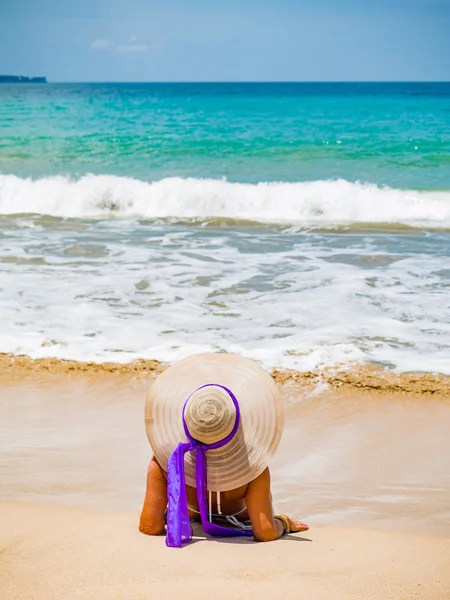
<point>179,529</point>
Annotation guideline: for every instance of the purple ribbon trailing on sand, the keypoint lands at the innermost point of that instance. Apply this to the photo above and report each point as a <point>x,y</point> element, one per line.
<point>179,529</point>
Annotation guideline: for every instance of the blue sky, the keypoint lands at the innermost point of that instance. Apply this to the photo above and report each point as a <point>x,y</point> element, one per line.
<point>245,40</point>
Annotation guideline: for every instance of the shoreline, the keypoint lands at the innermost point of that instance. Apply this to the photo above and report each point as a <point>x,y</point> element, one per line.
<point>360,377</point>
<point>361,447</point>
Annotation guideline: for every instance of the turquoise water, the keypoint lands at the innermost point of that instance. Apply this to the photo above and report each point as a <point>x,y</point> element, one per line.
<point>304,225</point>
<point>389,134</point>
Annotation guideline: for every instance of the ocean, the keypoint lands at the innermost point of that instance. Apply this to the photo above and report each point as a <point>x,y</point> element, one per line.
<point>304,225</point>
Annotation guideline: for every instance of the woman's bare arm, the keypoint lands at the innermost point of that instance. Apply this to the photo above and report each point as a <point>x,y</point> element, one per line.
<point>259,506</point>
<point>155,503</point>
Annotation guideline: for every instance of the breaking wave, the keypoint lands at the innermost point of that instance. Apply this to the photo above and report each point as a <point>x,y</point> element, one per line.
<point>315,204</point>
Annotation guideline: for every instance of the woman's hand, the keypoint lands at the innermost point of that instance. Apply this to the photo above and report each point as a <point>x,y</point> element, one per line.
<point>295,526</point>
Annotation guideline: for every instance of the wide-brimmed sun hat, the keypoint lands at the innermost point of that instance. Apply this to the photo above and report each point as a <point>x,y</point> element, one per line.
<point>201,396</point>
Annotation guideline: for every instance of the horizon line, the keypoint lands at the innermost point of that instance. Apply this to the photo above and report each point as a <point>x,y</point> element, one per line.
<point>262,81</point>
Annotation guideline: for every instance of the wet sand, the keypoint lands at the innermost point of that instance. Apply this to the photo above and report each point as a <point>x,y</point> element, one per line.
<point>365,460</point>
<point>360,377</point>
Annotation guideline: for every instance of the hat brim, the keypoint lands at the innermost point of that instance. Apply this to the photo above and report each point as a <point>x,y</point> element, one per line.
<point>248,453</point>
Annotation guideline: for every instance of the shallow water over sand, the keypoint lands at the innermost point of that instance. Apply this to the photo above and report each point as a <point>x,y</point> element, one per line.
<point>122,289</point>
<point>368,459</point>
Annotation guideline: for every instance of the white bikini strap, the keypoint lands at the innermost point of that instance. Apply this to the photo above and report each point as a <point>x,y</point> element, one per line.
<point>210,506</point>
<point>218,503</point>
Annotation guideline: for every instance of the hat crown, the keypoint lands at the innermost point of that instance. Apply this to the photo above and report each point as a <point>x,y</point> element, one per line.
<point>210,414</point>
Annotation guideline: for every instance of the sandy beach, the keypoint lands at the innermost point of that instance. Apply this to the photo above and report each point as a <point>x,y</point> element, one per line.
<point>364,460</point>
<point>51,553</point>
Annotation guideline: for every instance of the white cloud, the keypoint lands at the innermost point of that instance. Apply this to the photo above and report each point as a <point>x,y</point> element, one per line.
<point>132,48</point>
<point>99,44</point>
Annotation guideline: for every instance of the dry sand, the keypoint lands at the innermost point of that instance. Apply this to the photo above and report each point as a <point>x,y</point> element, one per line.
<point>59,553</point>
<point>366,463</point>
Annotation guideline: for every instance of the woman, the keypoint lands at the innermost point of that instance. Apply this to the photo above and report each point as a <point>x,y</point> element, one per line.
<point>213,422</point>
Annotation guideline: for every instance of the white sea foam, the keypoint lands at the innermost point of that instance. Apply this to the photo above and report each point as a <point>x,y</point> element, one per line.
<point>313,204</point>
<point>120,290</point>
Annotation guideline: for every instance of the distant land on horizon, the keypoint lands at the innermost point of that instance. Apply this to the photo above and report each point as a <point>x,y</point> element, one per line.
<point>21,79</point>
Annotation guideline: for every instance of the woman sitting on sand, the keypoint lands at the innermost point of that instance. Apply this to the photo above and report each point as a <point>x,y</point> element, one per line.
<point>213,422</point>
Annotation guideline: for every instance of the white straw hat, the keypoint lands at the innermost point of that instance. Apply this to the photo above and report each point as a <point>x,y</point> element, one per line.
<point>210,415</point>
